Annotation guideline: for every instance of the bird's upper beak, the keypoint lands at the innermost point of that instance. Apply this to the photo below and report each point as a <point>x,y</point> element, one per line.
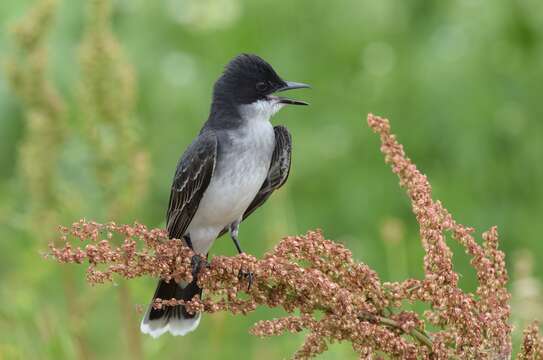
<point>291,85</point>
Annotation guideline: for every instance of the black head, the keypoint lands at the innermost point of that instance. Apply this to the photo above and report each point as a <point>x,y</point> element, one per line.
<point>248,78</point>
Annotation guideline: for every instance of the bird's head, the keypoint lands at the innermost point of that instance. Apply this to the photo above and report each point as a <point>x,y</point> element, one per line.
<point>250,82</point>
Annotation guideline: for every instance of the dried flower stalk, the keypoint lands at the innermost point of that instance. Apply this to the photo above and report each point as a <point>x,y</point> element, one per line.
<point>336,298</point>
<point>27,70</point>
<point>532,344</point>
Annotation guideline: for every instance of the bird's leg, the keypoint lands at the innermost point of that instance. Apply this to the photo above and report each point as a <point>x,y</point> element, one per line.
<point>247,275</point>
<point>196,261</point>
<point>234,230</point>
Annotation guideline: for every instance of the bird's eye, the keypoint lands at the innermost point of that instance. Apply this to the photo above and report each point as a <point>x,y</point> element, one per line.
<point>261,86</point>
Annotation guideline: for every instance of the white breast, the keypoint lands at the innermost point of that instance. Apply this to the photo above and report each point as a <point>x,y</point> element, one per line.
<point>239,174</point>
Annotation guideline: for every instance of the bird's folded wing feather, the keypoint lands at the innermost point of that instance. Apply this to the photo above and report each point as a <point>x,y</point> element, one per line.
<point>279,169</point>
<point>192,177</point>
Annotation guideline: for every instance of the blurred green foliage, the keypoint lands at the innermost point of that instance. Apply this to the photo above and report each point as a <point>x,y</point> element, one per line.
<point>97,106</point>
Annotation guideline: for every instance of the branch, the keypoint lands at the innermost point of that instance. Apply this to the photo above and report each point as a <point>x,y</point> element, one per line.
<point>417,334</point>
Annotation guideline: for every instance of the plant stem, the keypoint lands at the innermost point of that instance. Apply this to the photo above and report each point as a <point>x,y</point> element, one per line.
<point>417,334</point>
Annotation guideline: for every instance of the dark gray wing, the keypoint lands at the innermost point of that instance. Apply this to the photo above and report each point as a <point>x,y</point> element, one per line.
<point>279,169</point>
<point>192,176</point>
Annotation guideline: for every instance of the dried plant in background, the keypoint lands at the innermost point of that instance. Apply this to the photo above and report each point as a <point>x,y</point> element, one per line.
<point>526,292</point>
<point>46,128</point>
<point>120,159</point>
<point>27,71</point>
<point>107,98</point>
<point>324,291</point>
<point>532,344</point>
<point>109,139</point>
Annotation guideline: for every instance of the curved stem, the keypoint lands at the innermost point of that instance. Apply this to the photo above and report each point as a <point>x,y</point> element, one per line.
<point>417,334</point>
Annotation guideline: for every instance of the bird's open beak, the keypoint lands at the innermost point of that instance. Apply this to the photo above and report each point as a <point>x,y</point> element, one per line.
<point>290,85</point>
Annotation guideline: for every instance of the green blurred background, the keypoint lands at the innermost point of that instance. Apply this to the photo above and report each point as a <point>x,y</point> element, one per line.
<point>92,123</point>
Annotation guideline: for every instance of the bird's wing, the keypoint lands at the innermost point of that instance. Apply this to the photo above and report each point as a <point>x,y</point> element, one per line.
<point>279,169</point>
<point>192,176</point>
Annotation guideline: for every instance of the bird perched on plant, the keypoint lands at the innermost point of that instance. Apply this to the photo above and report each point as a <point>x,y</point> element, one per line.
<point>229,170</point>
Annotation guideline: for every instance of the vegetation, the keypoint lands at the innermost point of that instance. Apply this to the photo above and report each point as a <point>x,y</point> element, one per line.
<point>314,276</point>
<point>82,135</point>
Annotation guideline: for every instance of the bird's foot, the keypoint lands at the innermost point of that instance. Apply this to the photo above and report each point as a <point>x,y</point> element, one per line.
<point>246,275</point>
<point>197,262</point>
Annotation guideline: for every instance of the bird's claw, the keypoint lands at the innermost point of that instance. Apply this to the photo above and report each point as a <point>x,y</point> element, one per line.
<point>197,262</point>
<point>242,274</point>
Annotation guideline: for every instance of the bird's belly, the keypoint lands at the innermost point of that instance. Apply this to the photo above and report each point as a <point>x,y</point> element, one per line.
<point>228,197</point>
<point>235,182</point>
<point>224,201</point>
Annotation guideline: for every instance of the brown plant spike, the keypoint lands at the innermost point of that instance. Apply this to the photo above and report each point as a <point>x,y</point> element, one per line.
<point>335,298</point>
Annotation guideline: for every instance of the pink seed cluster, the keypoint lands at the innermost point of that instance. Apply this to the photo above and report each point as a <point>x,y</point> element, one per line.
<point>323,291</point>
<point>475,324</point>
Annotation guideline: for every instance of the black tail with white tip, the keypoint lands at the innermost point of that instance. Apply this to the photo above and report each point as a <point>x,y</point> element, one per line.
<point>173,319</point>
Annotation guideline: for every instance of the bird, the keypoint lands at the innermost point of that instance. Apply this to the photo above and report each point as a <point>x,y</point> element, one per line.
<point>232,167</point>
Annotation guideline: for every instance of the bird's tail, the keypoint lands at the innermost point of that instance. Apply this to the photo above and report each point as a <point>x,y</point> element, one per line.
<point>173,319</point>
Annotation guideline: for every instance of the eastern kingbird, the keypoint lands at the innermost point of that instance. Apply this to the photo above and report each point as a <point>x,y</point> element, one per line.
<point>228,171</point>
